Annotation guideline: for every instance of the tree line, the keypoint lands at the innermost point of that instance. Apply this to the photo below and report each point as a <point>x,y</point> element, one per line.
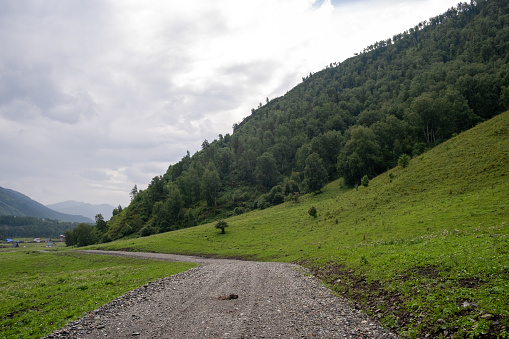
<point>27,227</point>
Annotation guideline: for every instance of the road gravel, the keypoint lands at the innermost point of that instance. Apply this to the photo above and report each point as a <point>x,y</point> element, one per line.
<point>224,298</point>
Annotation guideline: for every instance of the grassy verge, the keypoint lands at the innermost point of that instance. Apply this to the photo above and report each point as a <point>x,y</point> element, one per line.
<point>41,292</point>
<point>425,249</point>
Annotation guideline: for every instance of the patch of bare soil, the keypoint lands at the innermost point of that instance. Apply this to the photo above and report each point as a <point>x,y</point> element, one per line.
<point>371,297</point>
<point>366,295</point>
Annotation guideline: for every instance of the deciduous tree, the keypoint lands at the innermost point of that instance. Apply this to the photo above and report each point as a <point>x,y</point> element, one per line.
<point>315,174</point>
<point>360,156</point>
<point>221,224</point>
<point>134,192</point>
<point>100,224</point>
<point>266,173</point>
<point>210,185</point>
<point>84,235</point>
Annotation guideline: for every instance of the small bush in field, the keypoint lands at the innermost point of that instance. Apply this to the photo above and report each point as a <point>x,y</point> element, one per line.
<point>312,211</point>
<point>365,181</point>
<point>404,160</point>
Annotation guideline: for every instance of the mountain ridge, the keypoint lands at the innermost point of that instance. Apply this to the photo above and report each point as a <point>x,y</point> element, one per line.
<point>88,210</point>
<point>17,204</point>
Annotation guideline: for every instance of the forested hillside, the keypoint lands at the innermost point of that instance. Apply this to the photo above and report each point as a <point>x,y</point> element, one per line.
<point>14,203</point>
<point>30,227</point>
<point>352,119</point>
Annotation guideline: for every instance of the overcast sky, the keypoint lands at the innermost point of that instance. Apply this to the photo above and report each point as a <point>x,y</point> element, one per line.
<point>97,96</point>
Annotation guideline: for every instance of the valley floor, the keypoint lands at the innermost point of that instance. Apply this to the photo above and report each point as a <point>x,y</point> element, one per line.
<point>226,299</point>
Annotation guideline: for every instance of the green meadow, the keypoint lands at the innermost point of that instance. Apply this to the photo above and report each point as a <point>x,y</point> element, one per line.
<point>424,249</point>
<point>42,291</point>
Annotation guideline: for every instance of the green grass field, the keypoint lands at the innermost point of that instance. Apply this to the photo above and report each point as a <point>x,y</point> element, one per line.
<point>424,249</point>
<point>31,246</point>
<point>42,291</point>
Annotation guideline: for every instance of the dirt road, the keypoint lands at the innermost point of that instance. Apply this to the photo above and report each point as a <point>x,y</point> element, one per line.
<point>226,299</point>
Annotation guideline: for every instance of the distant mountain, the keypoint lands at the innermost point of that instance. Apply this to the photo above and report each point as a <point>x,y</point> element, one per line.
<point>82,208</point>
<point>15,203</point>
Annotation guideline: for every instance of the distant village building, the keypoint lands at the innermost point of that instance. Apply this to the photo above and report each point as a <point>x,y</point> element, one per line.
<point>51,244</point>
<point>61,238</point>
<point>37,239</point>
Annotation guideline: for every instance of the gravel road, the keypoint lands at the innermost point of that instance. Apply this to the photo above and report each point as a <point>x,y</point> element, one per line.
<point>226,299</point>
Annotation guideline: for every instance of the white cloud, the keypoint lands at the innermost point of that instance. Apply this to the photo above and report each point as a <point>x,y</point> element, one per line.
<point>97,96</point>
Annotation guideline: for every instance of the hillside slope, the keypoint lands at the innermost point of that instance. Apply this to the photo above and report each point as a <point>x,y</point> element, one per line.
<point>17,204</point>
<point>400,96</point>
<point>425,248</point>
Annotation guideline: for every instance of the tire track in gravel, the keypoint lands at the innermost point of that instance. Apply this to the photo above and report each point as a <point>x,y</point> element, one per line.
<point>275,300</point>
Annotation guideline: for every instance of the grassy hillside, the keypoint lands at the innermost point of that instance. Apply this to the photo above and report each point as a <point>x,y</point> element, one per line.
<point>402,95</point>
<point>424,248</point>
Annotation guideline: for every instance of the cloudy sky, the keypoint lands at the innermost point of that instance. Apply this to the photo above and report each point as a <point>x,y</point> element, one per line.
<point>99,95</point>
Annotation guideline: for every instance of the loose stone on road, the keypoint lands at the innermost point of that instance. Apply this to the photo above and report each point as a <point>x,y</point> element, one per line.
<point>224,298</point>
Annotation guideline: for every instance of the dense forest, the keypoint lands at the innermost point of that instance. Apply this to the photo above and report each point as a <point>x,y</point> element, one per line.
<point>27,227</point>
<point>353,119</point>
